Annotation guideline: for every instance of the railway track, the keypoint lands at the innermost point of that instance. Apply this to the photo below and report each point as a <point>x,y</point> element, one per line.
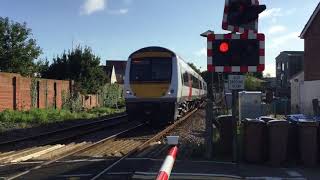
<point>104,154</point>
<point>70,150</point>
<point>145,144</point>
<point>60,135</point>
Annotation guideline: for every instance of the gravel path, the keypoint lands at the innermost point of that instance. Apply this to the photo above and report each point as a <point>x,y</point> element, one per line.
<point>192,137</point>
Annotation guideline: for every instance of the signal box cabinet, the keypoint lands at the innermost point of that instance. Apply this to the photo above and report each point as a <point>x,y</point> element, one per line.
<point>250,104</point>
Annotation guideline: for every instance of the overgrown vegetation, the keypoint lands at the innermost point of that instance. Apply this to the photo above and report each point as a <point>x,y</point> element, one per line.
<point>43,116</point>
<point>252,83</point>
<point>33,92</point>
<point>71,102</point>
<point>111,95</point>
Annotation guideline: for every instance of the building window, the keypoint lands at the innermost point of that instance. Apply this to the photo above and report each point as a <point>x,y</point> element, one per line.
<point>278,66</point>
<point>282,68</point>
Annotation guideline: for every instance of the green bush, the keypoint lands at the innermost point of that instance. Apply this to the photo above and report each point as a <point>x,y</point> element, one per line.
<point>252,83</point>
<point>111,96</point>
<point>71,102</point>
<point>40,116</point>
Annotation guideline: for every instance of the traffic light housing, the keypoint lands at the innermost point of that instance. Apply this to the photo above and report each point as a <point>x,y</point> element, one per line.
<point>236,52</point>
<point>241,15</point>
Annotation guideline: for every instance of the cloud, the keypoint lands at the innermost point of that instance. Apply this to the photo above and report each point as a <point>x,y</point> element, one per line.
<point>119,11</point>
<point>280,40</point>
<point>270,13</point>
<point>274,13</point>
<point>201,53</point>
<point>290,11</point>
<point>123,11</point>
<point>91,6</point>
<point>276,29</point>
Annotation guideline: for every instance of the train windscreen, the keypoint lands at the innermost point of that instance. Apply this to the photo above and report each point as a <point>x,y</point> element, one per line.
<point>151,70</point>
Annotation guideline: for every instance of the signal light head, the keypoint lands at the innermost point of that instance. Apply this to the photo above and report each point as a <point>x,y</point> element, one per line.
<point>224,47</point>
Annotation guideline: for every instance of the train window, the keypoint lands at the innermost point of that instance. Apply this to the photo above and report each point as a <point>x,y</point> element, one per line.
<point>186,78</point>
<point>140,70</point>
<point>151,69</point>
<point>182,81</point>
<point>160,70</point>
<point>195,82</point>
<point>200,83</point>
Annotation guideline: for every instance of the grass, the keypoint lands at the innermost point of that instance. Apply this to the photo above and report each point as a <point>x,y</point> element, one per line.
<point>21,119</point>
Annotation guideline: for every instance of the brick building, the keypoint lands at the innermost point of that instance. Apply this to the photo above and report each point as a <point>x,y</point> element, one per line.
<point>306,85</point>
<point>311,36</point>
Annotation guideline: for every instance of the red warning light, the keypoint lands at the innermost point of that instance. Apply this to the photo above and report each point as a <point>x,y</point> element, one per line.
<point>224,47</point>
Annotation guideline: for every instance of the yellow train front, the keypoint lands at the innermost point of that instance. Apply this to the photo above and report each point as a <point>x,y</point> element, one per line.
<point>160,86</point>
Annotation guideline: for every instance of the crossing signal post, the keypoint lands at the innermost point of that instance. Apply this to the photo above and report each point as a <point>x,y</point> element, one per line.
<point>234,53</point>
<point>209,110</point>
<point>242,15</point>
<point>239,53</point>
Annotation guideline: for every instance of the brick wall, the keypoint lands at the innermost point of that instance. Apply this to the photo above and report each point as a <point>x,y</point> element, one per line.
<point>90,101</point>
<point>6,91</point>
<point>24,97</point>
<point>312,58</point>
<point>312,53</point>
<point>15,93</point>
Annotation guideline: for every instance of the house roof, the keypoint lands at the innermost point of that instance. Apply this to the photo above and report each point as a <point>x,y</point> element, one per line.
<point>300,73</point>
<point>306,27</point>
<point>290,53</point>
<point>119,65</point>
<point>119,68</point>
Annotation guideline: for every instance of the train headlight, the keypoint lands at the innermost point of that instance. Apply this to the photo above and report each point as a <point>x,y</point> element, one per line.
<point>128,92</point>
<point>171,91</point>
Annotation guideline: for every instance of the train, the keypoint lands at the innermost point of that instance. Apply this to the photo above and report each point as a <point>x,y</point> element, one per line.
<point>160,86</point>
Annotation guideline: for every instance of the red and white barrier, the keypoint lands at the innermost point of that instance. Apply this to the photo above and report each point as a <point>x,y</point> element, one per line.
<point>167,165</point>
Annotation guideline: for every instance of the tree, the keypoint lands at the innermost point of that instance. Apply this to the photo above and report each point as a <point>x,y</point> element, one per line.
<point>252,83</point>
<point>258,75</point>
<point>80,65</point>
<point>194,68</point>
<point>18,50</point>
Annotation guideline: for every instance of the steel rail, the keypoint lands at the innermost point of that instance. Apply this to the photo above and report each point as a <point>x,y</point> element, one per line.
<point>73,152</point>
<point>145,144</point>
<point>51,133</point>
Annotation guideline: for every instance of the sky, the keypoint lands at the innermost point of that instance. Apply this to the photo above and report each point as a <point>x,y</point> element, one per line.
<point>116,28</point>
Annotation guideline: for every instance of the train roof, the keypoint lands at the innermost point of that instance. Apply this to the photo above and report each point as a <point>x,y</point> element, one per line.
<point>152,49</point>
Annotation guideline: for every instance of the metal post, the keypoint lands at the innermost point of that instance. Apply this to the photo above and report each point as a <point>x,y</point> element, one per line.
<point>275,108</point>
<point>234,122</point>
<point>209,118</point>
